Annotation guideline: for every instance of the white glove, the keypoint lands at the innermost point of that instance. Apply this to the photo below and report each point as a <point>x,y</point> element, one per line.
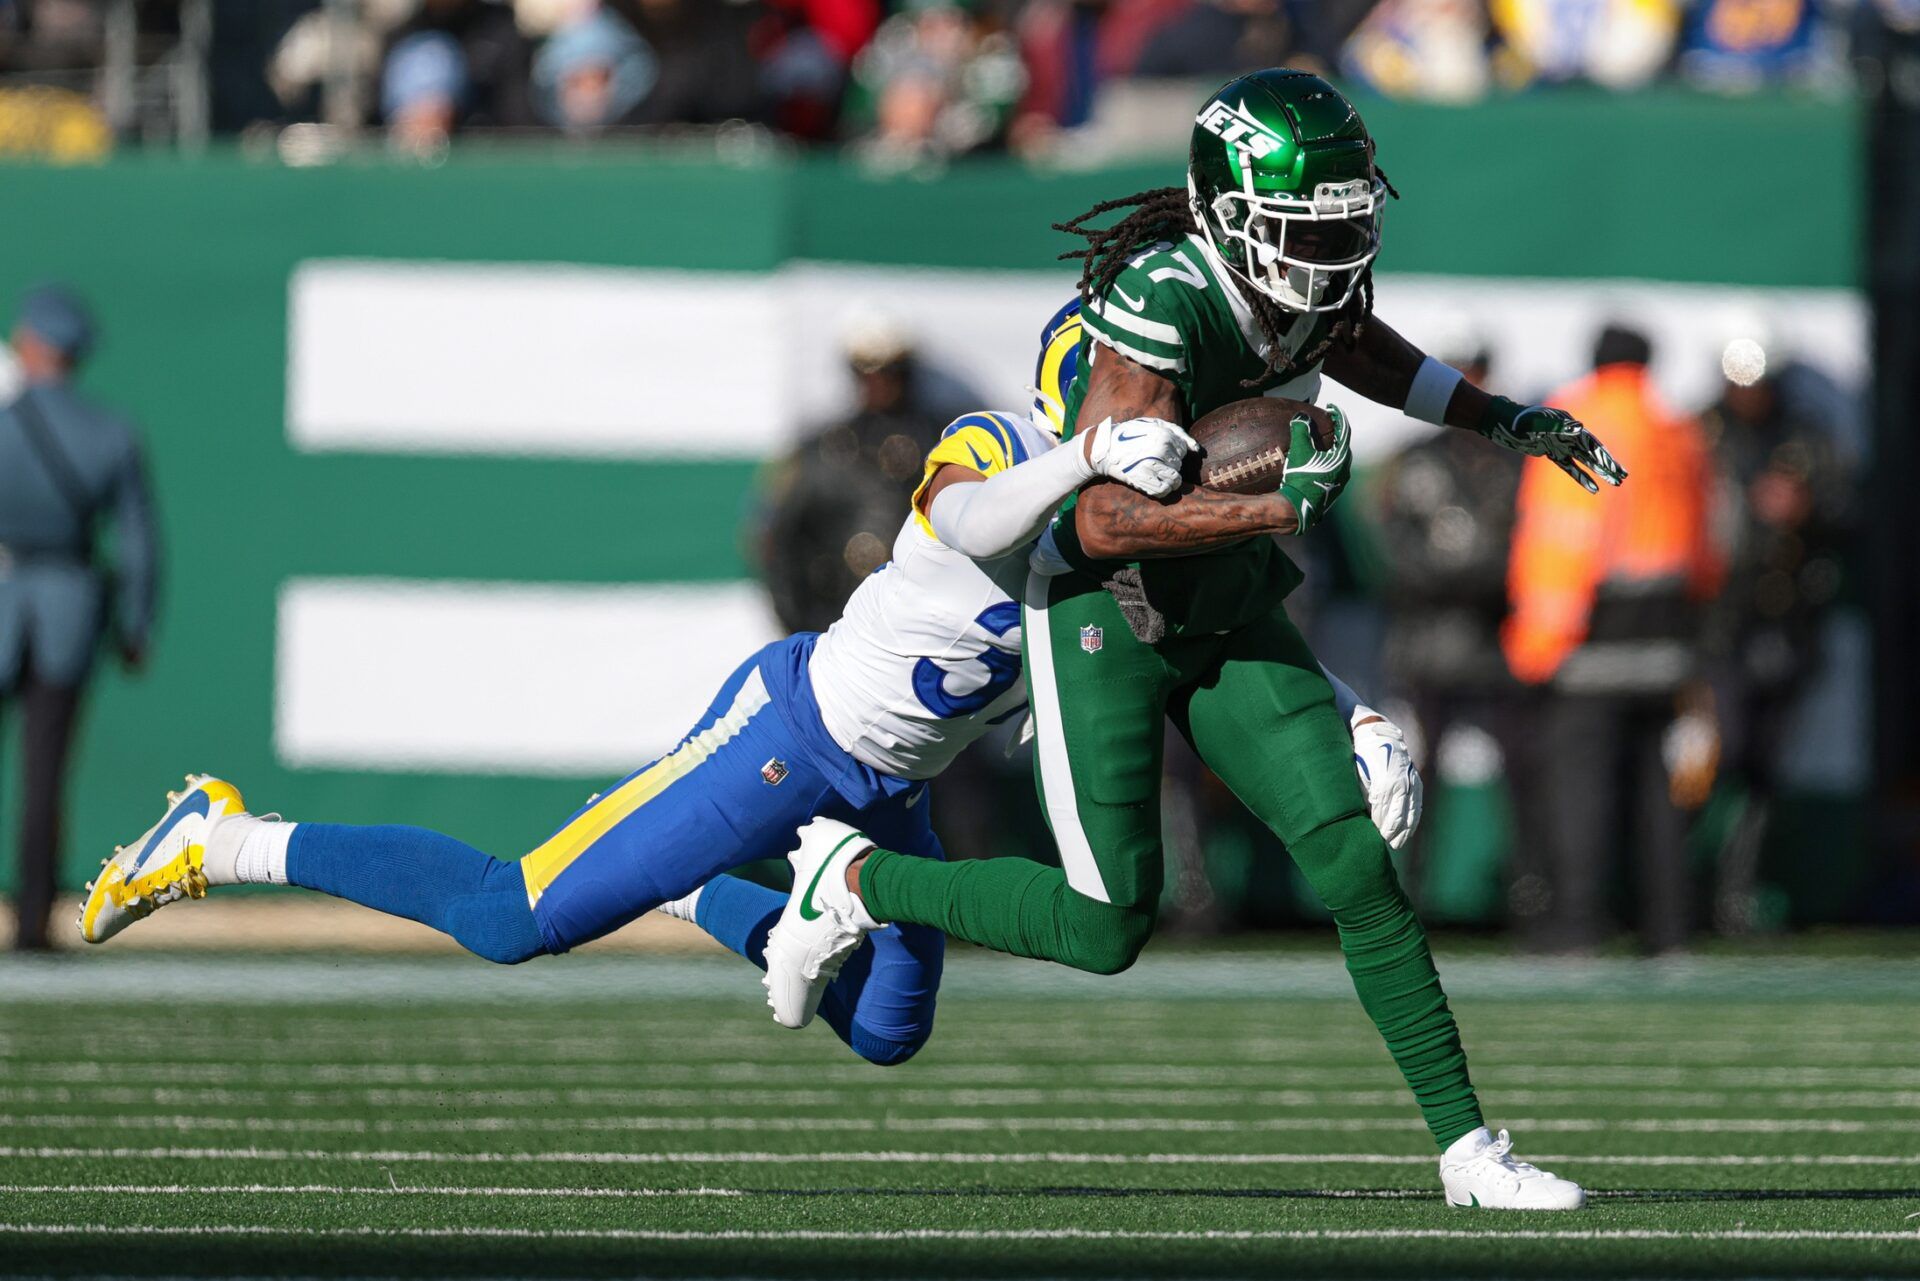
<point>1395,794</point>
<point>1142,452</point>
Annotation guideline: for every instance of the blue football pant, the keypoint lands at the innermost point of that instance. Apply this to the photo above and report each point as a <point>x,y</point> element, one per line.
<point>713,803</point>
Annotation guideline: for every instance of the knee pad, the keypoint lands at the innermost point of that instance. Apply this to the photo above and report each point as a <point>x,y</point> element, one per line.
<point>496,927</point>
<point>1108,938</point>
<point>885,1051</point>
<point>1350,867</point>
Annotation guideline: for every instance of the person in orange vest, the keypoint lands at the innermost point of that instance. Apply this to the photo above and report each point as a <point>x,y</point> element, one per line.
<point>1606,599</point>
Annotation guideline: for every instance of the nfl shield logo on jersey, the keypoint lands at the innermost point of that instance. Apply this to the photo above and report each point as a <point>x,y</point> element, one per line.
<point>1092,638</point>
<point>774,771</point>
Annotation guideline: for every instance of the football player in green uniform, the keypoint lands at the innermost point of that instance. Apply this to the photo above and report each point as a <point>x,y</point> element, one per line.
<point>1255,278</point>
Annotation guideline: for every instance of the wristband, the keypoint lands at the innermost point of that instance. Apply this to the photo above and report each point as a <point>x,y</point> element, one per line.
<point>1431,392</point>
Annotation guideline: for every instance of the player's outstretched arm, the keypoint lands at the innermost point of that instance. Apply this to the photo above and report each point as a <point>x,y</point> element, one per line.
<point>1118,523</point>
<point>986,516</point>
<point>1385,367</point>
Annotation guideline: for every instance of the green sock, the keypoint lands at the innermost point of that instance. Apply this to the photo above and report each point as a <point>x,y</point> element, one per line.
<point>1393,972</point>
<point>1011,905</point>
<point>1015,905</point>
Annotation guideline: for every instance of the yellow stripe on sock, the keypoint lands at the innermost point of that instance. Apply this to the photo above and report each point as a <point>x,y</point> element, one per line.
<point>544,865</point>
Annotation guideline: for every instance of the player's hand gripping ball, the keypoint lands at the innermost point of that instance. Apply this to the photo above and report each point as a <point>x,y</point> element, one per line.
<point>1271,444</point>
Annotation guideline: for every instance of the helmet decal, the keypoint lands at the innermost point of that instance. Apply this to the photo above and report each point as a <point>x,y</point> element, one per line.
<point>1239,128</point>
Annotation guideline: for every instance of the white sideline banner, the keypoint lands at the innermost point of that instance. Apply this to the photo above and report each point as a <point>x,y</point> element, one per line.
<point>531,358</point>
<point>503,678</point>
<point>566,361</point>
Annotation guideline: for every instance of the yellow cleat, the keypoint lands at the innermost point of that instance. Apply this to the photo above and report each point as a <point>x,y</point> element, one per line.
<point>164,865</point>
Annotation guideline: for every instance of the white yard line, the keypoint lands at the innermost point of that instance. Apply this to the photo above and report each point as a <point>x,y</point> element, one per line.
<point>338,1189</point>
<point>866,1097</point>
<point>964,1234</point>
<point>883,1157</point>
<point>185,1123</point>
<point>669,980</point>
<point>417,1074</point>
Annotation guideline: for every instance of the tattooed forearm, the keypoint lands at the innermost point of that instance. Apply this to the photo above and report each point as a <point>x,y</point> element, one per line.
<point>1121,389</point>
<point>1118,523</point>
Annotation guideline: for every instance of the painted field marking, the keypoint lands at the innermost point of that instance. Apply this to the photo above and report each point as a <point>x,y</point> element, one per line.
<point>1577,1078</point>
<point>965,1234</point>
<point>189,1123</point>
<point>338,1189</point>
<point>910,1158</point>
<point>907,1096</point>
<point>1149,988</point>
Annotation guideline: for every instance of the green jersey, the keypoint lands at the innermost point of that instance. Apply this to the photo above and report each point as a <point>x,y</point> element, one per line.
<point>1173,310</point>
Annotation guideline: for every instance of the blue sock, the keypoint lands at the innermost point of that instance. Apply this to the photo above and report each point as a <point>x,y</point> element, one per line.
<point>423,876</point>
<point>739,913</point>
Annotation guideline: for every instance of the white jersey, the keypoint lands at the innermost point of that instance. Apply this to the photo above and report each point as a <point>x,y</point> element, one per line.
<point>926,656</point>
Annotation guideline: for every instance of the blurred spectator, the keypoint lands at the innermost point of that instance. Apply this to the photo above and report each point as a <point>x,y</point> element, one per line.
<point>1446,520</point>
<point>1072,49</point>
<point>939,80</point>
<point>1621,44</point>
<point>706,73</point>
<point>1744,44</point>
<point>457,63</point>
<point>1219,39</point>
<point>1786,500</point>
<point>593,74</point>
<point>1606,595</point>
<point>421,90</point>
<point>1427,49</point>
<point>805,49</point>
<point>45,123</point>
<point>67,467</point>
<point>837,502</point>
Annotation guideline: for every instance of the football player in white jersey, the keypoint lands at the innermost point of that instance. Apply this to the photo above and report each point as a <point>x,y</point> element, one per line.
<point>849,724</point>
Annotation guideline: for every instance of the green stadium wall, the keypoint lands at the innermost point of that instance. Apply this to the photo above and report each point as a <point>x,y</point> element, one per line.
<point>194,266</point>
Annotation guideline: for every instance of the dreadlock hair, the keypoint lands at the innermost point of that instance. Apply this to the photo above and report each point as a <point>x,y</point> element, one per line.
<point>1166,213</point>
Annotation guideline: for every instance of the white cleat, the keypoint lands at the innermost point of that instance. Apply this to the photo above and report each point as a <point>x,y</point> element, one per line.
<point>822,924</point>
<point>164,865</point>
<point>1480,1171</point>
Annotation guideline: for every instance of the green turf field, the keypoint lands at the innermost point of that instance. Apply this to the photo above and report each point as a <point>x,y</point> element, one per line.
<point>1211,1114</point>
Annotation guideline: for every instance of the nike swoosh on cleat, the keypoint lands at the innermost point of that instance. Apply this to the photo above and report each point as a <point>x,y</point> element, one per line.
<point>195,805</point>
<point>807,910</point>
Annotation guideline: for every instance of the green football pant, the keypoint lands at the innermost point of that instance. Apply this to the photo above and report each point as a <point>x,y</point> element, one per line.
<point>1259,711</point>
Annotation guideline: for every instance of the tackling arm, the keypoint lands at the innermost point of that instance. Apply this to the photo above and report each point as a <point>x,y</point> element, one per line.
<point>1118,523</point>
<point>987,513</point>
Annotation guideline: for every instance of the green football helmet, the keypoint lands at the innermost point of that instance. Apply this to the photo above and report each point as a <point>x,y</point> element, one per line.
<point>1280,175</point>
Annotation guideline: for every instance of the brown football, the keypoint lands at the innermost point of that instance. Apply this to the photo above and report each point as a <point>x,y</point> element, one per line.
<point>1243,446</point>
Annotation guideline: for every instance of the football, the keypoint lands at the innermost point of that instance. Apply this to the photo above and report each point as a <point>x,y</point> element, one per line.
<point>1243,446</point>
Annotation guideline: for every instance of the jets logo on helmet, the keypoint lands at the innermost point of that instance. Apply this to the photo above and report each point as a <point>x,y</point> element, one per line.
<point>1235,126</point>
<point>1281,177</point>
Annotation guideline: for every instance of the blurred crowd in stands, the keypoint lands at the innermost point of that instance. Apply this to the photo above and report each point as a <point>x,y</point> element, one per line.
<point>904,81</point>
<point>1590,676</point>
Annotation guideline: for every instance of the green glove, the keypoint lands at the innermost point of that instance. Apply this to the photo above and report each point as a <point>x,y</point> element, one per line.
<point>1553,434</point>
<point>1315,476</point>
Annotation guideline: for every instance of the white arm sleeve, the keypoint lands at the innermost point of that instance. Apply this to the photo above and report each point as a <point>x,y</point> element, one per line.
<point>1005,512</point>
<point>1343,696</point>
